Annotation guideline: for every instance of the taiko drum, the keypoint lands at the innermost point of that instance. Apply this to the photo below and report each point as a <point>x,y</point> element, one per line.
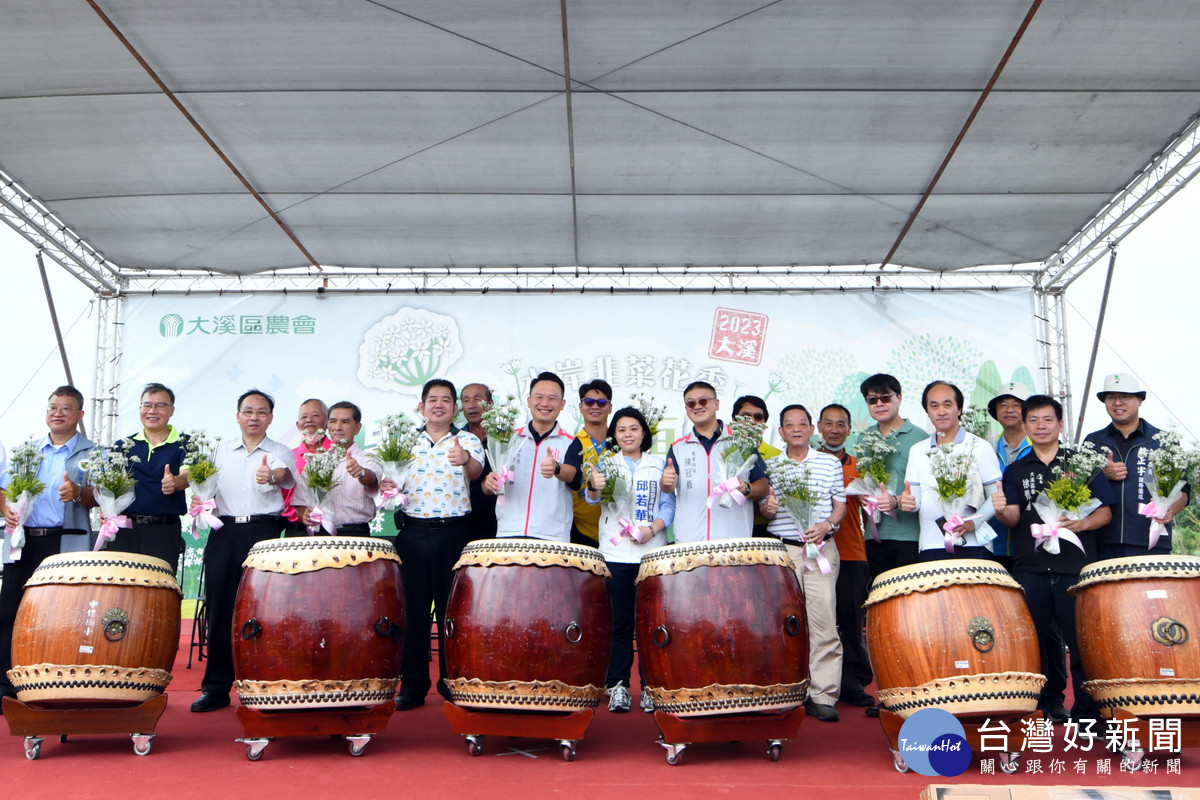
<point>1137,620</point>
<point>96,629</point>
<point>528,626</point>
<point>954,635</point>
<point>318,623</point>
<point>722,628</point>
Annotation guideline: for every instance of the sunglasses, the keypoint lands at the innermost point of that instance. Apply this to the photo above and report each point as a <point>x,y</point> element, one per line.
<point>757,416</point>
<point>879,398</point>
<point>698,402</point>
<point>598,402</point>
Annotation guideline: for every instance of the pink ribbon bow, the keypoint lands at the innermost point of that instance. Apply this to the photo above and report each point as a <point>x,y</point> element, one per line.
<point>955,521</point>
<point>813,554</point>
<point>108,530</point>
<point>322,519</point>
<point>628,531</point>
<point>203,517</point>
<point>871,506</point>
<point>1157,529</point>
<point>1044,533</point>
<point>392,497</point>
<point>729,486</point>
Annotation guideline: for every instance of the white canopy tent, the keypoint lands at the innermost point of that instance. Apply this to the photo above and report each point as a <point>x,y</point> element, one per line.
<point>518,145</point>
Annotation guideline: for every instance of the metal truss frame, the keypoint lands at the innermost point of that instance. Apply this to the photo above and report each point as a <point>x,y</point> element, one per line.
<point>110,328</point>
<point>1050,321</point>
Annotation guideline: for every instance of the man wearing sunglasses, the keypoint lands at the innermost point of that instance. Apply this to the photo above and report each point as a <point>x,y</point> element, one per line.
<point>695,467</point>
<point>595,406</point>
<point>756,409</point>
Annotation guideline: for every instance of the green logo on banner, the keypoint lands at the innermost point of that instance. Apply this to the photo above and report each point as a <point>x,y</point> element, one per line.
<point>170,326</point>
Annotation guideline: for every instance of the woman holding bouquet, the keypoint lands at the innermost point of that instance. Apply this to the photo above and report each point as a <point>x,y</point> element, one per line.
<point>949,478</point>
<point>634,516</point>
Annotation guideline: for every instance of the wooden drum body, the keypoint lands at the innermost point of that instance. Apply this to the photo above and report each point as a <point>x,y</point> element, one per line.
<point>318,623</point>
<point>954,635</point>
<point>721,628</point>
<point>96,629</point>
<point>1138,622</point>
<point>528,626</point>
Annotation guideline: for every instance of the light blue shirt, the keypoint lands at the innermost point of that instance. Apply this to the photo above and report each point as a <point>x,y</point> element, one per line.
<point>47,508</point>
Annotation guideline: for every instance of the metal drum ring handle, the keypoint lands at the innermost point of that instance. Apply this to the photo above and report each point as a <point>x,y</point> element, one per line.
<point>662,636</point>
<point>574,632</point>
<point>384,628</point>
<point>450,627</point>
<point>251,628</point>
<point>791,625</point>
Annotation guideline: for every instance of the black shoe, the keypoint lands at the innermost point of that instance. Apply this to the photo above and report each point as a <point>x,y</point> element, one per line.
<point>859,698</point>
<point>210,701</point>
<point>1055,713</point>
<point>407,702</point>
<point>873,711</point>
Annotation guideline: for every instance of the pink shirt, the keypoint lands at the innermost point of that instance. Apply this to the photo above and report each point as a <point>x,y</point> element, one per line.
<point>300,453</point>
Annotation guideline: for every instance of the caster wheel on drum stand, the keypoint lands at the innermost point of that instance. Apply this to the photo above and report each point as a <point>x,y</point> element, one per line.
<point>1010,763</point>
<point>898,762</point>
<point>358,743</point>
<point>33,747</point>
<point>1131,760</point>
<point>474,745</point>
<point>774,750</point>
<point>62,738</point>
<point>254,747</point>
<point>142,743</point>
<point>568,751</point>
<point>674,753</point>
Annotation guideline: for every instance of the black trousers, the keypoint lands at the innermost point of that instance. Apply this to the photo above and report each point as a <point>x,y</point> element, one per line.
<point>853,578</point>
<point>942,554</point>
<point>12,587</point>
<point>890,554</point>
<point>1049,603</point>
<point>622,592</point>
<point>227,548</point>
<point>163,541</point>
<point>428,553</point>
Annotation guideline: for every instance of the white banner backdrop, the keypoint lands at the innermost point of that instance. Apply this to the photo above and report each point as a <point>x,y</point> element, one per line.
<point>378,350</point>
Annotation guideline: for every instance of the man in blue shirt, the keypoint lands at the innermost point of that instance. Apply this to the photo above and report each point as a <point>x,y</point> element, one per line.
<point>58,522</point>
<point>1130,440</point>
<point>1011,445</point>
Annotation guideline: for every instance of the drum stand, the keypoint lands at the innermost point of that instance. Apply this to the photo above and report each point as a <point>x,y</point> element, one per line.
<point>677,732</point>
<point>1010,762</point>
<point>357,725</point>
<point>567,727</point>
<point>1139,734</point>
<point>33,723</point>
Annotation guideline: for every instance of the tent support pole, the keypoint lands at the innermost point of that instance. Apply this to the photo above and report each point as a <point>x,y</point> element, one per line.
<point>58,337</point>
<point>1087,383</point>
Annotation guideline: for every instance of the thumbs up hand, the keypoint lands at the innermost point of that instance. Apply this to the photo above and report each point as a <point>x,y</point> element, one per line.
<point>263,474</point>
<point>907,501</point>
<point>670,478</point>
<point>887,500</point>
<point>1115,470</point>
<point>168,481</point>
<point>353,468</point>
<point>770,504</point>
<point>999,501</point>
<point>598,481</point>
<point>548,465</point>
<point>457,453</point>
<point>68,490</point>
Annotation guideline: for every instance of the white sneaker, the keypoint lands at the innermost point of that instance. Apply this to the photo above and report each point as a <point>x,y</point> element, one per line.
<point>619,699</point>
<point>647,702</point>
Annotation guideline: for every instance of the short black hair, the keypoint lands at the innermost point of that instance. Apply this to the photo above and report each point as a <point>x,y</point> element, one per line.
<point>155,388</point>
<point>354,410</point>
<point>880,383</point>
<point>1034,402</point>
<point>68,391</point>
<point>794,407</point>
<point>548,376</point>
<point>700,385</point>
<point>599,385</point>
<point>435,383</point>
<point>270,400</point>
<point>958,395</point>
<point>632,413</point>
<point>749,399</point>
<point>837,407</point>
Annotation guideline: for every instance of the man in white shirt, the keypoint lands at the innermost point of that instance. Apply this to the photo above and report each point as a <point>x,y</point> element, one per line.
<point>252,471</point>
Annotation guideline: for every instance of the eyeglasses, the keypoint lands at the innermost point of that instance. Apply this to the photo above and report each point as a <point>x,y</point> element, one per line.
<point>757,416</point>
<point>698,402</point>
<point>875,400</point>
<point>154,406</point>
<point>60,409</point>
<point>598,402</point>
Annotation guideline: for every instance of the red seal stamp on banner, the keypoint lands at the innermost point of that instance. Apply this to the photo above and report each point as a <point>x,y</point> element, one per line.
<point>738,336</point>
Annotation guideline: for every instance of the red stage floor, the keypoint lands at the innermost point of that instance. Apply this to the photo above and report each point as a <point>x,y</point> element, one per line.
<point>195,756</point>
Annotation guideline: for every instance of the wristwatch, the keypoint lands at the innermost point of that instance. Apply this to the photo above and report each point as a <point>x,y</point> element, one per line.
<point>557,468</point>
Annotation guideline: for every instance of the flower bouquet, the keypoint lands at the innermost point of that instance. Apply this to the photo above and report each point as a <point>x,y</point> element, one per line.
<point>398,437</point>
<point>1068,495</point>
<point>202,477</point>
<point>791,481</point>
<point>617,491</point>
<point>500,421</point>
<point>23,487</point>
<point>738,457</point>
<point>872,452</point>
<point>113,482</point>
<point>1165,479</point>
<point>320,480</point>
<point>952,470</point>
<point>654,414</point>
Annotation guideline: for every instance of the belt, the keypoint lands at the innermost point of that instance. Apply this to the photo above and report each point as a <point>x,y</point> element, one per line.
<point>248,518</point>
<point>45,531</point>
<point>161,519</point>
<point>434,522</point>
<point>355,528</point>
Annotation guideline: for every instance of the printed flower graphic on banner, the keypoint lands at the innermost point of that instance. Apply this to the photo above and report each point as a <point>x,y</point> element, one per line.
<point>404,350</point>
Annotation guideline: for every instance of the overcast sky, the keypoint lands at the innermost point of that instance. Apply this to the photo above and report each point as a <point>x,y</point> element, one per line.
<point>1149,331</point>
